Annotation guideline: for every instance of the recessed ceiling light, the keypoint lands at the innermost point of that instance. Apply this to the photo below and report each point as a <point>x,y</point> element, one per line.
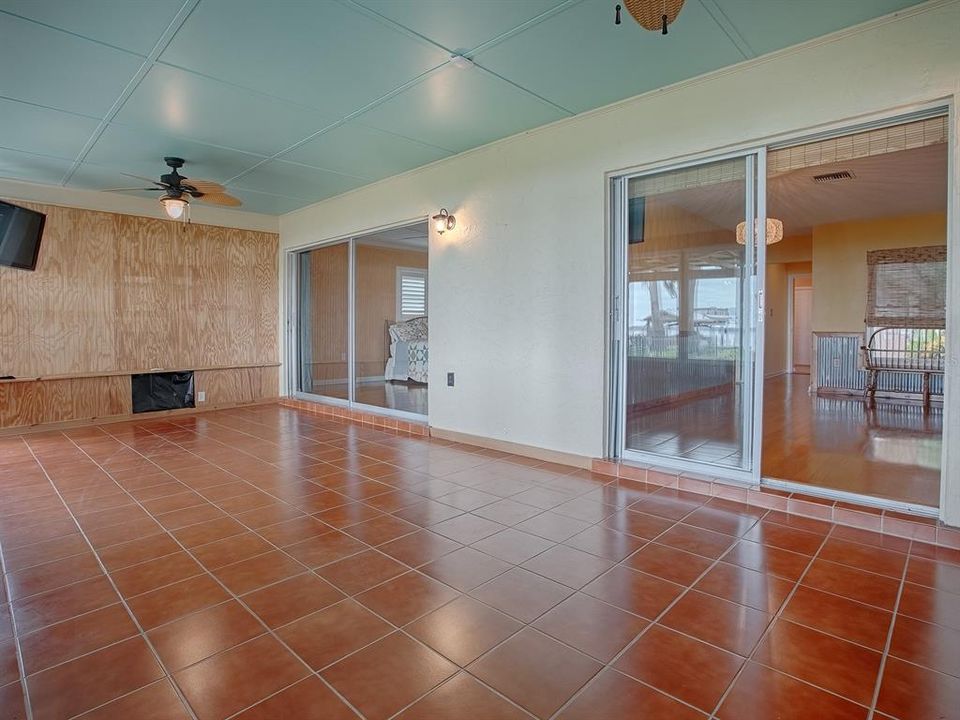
<point>460,62</point>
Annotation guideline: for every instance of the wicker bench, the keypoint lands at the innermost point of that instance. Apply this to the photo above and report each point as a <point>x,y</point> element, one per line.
<point>902,350</point>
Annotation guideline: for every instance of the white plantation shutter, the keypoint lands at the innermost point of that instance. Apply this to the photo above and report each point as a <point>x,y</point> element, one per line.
<point>411,293</point>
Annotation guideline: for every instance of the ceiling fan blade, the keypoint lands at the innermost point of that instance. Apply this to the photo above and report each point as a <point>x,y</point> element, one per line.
<point>220,198</point>
<point>206,187</point>
<point>145,179</point>
<point>125,189</point>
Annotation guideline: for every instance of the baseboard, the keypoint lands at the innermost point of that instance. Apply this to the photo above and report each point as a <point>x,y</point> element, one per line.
<point>530,451</point>
<point>109,419</point>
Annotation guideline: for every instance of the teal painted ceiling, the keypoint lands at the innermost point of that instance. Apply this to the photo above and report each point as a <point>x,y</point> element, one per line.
<point>289,102</point>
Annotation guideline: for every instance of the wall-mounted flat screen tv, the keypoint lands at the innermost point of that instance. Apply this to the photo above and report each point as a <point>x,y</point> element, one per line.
<point>20,233</point>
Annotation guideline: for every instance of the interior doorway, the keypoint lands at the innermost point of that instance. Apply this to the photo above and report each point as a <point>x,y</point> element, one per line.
<point>858,407</point>
<point>801,323</point>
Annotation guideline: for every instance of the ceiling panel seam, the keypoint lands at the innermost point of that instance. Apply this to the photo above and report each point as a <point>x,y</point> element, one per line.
<point>165,38</point>
<point>362,9</point>
<point>347,118</point>
<point>71,33</point>
<point>41,106</point>
<point>392,24</point>
<point>545,15</point>
<point>32,154</point>
<point>541,98</point>
<point>728,28</point>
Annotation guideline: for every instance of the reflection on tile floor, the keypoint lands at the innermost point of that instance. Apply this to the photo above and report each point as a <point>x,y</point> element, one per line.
<point>267,563</point>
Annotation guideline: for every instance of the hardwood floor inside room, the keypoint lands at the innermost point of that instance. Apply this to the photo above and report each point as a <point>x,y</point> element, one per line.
<point>268,563</point>
<point>409,397</point>
<point>892,451</point>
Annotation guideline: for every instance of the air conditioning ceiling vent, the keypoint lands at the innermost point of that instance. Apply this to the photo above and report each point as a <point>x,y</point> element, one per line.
<point>834,177</point>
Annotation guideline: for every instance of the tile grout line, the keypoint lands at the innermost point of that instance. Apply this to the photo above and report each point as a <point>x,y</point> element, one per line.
<point>768,629</point>
<point>5,585</point>
<point>655,620</point>
<point>103,569</point>
<point>399,629</point>
<point>460,669</point>
<point>350,597</point>
<point>675,522</point>
<point>889,641</point>
<point>277,463</point>
<point>230,594</point>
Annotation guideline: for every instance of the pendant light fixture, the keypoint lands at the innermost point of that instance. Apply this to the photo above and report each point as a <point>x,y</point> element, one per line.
<point>652,14</point>
<point>774,231</point>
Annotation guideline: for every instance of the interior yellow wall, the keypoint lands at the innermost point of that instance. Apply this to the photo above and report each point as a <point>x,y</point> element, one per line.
<point>840,263</point>
<point>775,337</point>
<point>790,256</point>
<point>795,248</point>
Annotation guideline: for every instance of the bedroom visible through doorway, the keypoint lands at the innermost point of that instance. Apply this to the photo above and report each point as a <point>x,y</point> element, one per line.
<point>363,324</point>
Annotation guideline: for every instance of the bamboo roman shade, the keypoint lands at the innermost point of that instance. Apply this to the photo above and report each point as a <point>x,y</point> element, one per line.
<point>907,287</point>
<point>906,136</point>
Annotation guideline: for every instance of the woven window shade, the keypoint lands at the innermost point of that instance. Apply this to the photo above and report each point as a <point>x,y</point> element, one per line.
<point>694,177</point>
<point>907,287</point>
<point>932,131</point>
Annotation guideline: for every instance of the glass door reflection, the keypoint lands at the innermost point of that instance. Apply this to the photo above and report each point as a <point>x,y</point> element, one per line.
<point>690,301</point>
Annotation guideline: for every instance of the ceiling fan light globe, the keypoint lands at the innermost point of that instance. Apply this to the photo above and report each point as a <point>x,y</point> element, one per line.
<point>174,207</point>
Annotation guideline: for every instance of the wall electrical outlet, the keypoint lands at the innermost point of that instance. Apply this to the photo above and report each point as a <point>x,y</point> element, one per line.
<point>450,379</point>
<point>201,396</point>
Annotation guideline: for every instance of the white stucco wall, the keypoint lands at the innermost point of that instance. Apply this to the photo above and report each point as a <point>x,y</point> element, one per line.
<point>517,291</point>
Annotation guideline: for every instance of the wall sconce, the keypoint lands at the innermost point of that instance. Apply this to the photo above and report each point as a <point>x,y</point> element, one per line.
<point>444,221</point>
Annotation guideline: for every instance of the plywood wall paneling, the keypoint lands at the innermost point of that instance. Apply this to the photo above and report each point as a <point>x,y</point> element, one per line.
<point>49,401</point>
<point>237,385</point>
<point>120,292</point>
<point>327,311</point>
<point>148,279</point>
<point>52,315</point>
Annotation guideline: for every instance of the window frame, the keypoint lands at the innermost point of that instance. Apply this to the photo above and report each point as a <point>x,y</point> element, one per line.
<point>410,271</point>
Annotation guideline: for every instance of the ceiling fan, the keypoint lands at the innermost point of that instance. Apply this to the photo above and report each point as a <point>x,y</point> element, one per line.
<point>178,190</point>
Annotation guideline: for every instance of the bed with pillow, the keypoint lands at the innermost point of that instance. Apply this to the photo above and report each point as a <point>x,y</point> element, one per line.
<point>409,351</point>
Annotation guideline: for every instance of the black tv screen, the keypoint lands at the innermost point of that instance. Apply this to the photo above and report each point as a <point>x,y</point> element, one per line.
<point>20,232</point>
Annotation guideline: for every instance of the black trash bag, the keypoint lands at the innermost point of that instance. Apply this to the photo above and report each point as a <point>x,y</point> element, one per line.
<point>162,391</point>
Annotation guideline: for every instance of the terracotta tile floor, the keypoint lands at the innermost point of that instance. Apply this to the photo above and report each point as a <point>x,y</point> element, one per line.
<point>267,563</point>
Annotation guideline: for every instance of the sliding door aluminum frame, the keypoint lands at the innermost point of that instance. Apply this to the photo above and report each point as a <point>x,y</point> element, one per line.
<point>751,296</point>
<point>938,108</point>
<point>293,324</point>
<point>615,399</point>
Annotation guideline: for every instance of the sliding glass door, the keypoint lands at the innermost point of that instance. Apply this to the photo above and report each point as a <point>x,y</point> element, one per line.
<point>688,315</point>
<point>323,313</point>
<point>361,321</point>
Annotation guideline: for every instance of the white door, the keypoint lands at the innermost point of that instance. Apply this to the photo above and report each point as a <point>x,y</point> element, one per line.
<point>802,327</point>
